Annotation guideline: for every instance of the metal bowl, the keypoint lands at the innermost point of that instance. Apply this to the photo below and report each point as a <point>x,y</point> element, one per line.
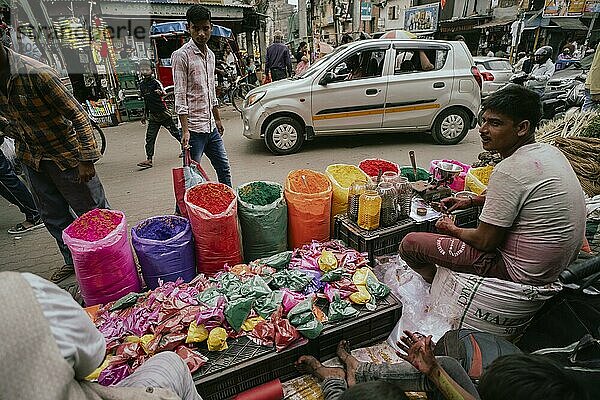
<point>448,170</point>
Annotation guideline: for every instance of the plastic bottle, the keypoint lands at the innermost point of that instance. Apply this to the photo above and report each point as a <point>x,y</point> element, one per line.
<point>356,189</point>
<point>389,203</point>
<point>369,210</point>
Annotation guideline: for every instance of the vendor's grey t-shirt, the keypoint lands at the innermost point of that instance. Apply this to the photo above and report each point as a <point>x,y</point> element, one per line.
<point>536,195</point>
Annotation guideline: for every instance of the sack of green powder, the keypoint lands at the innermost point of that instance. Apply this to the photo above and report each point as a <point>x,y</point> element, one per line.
<point>263,217</point>
<point>304,320</point>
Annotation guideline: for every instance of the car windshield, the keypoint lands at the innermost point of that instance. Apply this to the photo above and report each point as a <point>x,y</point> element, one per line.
<point>313,67</point>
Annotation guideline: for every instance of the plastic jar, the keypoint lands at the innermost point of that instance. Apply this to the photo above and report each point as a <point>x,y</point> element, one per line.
<point>405,194</point>
<point>354,191</point>
<point>389,203</point>
<point>369,210</point>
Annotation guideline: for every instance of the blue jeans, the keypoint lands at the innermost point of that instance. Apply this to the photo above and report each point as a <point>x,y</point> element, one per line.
<point>57,192</point>
<point>13,190</point>
<point>588,103</point>
<point>404,375</point>
<point>212,145</point>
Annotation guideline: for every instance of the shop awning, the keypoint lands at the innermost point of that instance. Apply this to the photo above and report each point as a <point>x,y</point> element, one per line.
<point>569,24</point>
<point>496,22</point>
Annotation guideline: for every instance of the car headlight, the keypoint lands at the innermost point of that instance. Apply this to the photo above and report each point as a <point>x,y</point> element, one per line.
<point>254,98</point>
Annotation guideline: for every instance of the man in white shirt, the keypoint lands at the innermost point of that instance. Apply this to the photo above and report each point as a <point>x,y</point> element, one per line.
<point>542,70</point>
<point>195,95</point>
<point>533,219</point>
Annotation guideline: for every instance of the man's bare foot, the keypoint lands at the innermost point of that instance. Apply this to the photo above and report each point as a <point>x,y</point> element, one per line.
<point>351,363</point>
<point>310,365</point>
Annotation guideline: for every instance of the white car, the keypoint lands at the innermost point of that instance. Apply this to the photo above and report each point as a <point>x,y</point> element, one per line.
<point>370,86</point>
<point>495,72</point>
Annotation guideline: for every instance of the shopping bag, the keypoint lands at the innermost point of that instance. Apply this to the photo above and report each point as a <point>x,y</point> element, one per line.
<point>184,177</point>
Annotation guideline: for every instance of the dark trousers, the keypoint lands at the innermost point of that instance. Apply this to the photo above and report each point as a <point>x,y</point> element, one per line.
<point>278,74</point>
<point>212,145</point>
<point>154,124</point>
<point>13,190</point>
<point>56,191</point>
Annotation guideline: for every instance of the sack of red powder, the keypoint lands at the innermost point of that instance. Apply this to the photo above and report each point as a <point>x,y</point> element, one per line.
<point>212,209</point>
<point>102,256</point>
<point>371,166</point>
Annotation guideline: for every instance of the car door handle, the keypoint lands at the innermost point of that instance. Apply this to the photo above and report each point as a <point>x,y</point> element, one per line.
<point>372,92</point>
<point>438,85</point>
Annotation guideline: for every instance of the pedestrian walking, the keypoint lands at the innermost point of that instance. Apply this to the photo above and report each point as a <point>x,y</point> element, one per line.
<point>195,95</point>
<point>592,85</point>
<point>13,190</point>
<point>278,62</point>
<point>54,140</point>
<point>155,111</point>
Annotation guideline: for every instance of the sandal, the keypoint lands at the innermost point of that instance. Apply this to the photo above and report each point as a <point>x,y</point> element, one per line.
<point>145,164</point>
<point>21,228</point>
<point>62,273</point>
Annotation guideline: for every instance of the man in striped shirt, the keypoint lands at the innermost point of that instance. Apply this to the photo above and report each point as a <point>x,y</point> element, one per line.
<point>54,139</point>
<point>195,95</point>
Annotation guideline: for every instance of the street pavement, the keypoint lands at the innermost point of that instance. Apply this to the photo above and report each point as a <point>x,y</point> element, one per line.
<point>145,193</point>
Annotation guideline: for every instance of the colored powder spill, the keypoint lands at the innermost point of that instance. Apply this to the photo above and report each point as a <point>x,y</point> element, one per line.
<point>313,182</point>
<point>345,175</point>
<point>371,167</point>
<point>260,193</point>
<point>422,175</point>
<point>161,228</point>
<point>213,197</point>
<point>94,225</point>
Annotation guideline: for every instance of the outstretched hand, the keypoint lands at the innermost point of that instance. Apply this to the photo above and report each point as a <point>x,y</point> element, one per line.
<point>418,350</point>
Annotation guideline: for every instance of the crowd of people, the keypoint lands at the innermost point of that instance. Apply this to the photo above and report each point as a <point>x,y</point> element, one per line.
<point>531,228</point>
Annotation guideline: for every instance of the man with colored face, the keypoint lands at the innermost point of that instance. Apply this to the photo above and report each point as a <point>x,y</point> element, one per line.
<point>533,217</point>
<point>195,95</point>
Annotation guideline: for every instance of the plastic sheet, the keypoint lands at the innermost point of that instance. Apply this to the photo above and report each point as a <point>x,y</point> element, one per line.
<point>278,261</point>
<point>264,227</point>
<point>309,207</point>
<point>237,311</point>
<point>193,359</point>
<point>216,236</point>
<point>304,320</point>
<point>327,261</point>
<point>165,249</point>
<point>267,305</point>
<point>340,309</point>
<point>105,269</point>
<point>341,177</point>
<point>295,280</point>
<point>217,340</point>
<point>196,333</point>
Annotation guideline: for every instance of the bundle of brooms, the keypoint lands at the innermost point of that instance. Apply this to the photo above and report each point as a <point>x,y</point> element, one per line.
<point>578,137</point>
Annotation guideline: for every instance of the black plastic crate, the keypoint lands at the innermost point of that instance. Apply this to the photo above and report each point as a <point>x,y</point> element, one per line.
<point>245,364</point>
<point>377,242</point>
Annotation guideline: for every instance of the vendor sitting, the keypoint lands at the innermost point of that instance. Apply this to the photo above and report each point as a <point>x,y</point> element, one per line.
<point>533,217</point>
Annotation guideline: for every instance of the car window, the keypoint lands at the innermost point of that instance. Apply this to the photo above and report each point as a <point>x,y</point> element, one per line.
<point>361,64</point>
<point>497,65</point>
<point>415,60</point>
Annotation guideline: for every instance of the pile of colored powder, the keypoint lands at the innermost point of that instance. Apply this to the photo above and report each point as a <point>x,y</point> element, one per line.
<point>94,225</point>
<point>161,228</point>
<point>345,175</point>
<point>372,167</point>
<point>307,181</point>
<point>259,193</point>
<point>213,197</point>
<point>422,175</point>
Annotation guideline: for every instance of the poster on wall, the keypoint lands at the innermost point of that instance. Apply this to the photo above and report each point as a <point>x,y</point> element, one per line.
<point>564,8</point>
<point>422,18</point>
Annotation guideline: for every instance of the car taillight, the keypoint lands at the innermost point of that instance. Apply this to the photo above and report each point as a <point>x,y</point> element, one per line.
<point>487,76</point>
<point>476,75</point>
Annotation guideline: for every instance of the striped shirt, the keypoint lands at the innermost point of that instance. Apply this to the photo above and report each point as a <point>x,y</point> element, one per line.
<point>46,121</point>
<point>194,80</point>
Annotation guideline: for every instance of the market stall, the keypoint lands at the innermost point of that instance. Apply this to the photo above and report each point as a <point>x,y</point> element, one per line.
<point>256,277</point>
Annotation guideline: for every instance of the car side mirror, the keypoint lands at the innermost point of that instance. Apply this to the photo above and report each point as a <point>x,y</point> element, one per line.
<point>327,78</point>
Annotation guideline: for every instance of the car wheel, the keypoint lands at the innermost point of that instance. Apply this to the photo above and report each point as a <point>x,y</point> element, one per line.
<point>451,126</point>
<point>284,135</point>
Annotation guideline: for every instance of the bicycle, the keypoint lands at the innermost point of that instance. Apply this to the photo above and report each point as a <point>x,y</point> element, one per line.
<point>239,91</point>
<point>98,136</point>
